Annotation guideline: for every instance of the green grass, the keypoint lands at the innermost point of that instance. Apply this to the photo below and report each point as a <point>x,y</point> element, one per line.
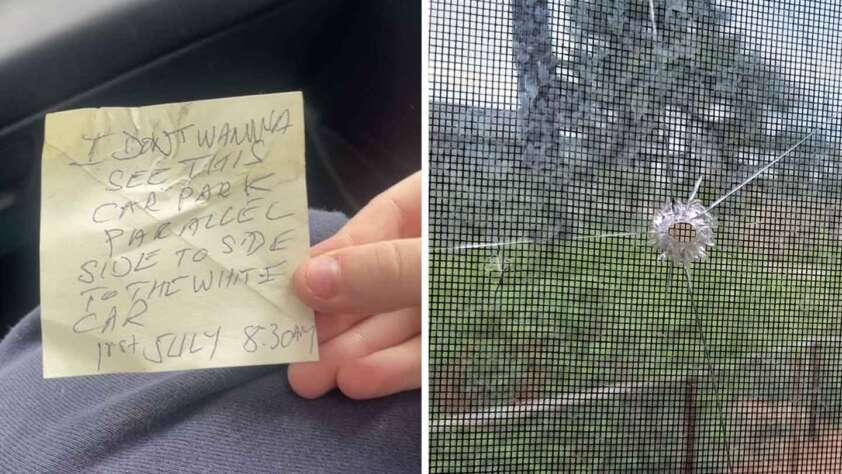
<point>586,314</point>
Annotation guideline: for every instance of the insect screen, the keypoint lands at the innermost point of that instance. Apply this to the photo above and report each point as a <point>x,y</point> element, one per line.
<point>636,219</point>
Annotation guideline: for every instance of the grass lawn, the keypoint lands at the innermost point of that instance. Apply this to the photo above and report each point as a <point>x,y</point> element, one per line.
<point>537,321</point>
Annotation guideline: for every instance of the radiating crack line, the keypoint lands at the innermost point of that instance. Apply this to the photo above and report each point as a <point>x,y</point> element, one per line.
<point>695,188</point>
<point>759,172</point>
<point>710,368</point>
<point>609,235</point>
<point>669,280</point>
<point>492,244</point>
<point>483,245</point>
<point>654,25</point>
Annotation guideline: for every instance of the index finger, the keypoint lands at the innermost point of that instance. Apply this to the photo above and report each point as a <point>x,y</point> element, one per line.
<point>391,215</point>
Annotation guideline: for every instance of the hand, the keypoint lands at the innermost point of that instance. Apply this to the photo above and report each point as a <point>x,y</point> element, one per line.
<point>365,285</point>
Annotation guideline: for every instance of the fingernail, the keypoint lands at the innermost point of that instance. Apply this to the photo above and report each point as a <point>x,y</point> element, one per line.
<point>323,276</point>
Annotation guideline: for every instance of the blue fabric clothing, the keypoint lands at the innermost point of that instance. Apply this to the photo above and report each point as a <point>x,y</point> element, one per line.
<point>243,419</point>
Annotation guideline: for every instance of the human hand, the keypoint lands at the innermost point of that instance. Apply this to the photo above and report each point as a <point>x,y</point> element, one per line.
<point>365,285</point>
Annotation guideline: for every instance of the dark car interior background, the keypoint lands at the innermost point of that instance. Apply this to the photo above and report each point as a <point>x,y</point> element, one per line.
<point>357,63</point>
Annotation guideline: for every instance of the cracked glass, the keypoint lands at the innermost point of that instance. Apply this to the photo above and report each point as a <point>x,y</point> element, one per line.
<point>635,224</point>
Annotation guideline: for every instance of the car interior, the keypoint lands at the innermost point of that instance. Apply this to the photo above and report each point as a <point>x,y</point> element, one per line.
<point>357,64</point>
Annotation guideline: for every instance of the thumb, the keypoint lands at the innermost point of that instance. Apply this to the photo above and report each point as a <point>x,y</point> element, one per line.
<point>363,279</point>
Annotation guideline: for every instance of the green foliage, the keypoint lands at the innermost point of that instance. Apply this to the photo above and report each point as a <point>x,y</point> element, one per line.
<point>607,313</point>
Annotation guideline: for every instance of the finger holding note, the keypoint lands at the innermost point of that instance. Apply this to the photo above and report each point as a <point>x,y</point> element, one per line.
<point>365,285</point>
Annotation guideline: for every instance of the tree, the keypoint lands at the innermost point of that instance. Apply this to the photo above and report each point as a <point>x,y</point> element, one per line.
<point>537,187</point>
<point>670,89</point>
<point>537,84</point>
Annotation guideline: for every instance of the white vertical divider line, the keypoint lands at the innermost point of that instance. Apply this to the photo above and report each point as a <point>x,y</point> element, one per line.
<point>425,236</point>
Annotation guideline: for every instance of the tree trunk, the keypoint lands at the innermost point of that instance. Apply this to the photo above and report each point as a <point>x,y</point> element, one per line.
<point>538,84</point>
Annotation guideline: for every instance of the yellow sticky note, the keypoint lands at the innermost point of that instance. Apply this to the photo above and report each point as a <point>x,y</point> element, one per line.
<point>169,235</point>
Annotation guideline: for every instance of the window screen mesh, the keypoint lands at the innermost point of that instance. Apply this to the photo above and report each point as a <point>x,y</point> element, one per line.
<point>636,219</point>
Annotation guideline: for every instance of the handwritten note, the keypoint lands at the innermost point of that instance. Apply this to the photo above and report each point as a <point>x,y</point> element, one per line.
<point>169,235</point>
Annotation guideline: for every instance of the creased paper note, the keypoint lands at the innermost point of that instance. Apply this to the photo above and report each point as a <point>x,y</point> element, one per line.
<point>169,235</point>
